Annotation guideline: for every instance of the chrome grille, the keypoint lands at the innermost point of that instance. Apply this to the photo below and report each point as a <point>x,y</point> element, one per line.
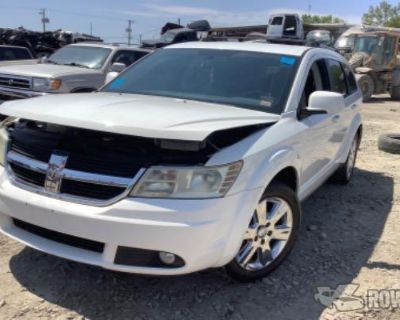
<point>15,82</point>
<point>67,184</point>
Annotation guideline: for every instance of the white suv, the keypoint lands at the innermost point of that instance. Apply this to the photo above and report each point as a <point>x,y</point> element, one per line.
<point>197,156</point>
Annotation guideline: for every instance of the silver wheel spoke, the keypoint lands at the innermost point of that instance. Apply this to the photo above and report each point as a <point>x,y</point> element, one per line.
<point>250,234</point>
<point>281,233</point>
<point>262,213</point>
<point>246,254</point>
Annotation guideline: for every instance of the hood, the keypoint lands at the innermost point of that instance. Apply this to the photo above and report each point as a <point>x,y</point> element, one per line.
<point>136,115</point>
<point>46,70</point>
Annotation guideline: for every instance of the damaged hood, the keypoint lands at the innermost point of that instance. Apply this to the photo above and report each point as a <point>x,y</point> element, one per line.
<point>137,115</point>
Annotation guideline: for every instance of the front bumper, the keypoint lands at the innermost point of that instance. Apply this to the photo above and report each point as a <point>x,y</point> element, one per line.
<point>204,233</point>
<point>19,93</point>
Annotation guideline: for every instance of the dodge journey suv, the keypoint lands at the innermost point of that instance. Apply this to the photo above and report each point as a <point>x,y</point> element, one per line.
<point>198,156</point>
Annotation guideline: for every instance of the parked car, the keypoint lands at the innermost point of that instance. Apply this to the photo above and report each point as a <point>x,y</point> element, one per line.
<point>196,157</point>
<point>171,37</point>
<point>74,68</point>
<point>13,55</point>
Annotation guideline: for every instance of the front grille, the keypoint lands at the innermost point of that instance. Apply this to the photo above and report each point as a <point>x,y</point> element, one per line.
<point>59,237</point>
<point>15,82</point>
<point>89,190</point>
<point>29,176</point>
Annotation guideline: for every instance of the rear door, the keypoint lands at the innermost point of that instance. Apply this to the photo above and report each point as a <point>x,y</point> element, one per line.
<point>342,81</point>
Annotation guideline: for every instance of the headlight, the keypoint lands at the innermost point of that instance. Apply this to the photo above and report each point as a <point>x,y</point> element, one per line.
<point>45,84</point>
<point>181,182</point>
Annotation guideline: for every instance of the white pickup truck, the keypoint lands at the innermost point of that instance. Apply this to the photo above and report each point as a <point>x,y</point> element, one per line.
<point>76,68</point>
<point>196,157</point>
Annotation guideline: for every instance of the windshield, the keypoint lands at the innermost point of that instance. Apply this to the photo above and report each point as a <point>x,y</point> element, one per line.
<point>168,37</point>
<point>253,80</point>
<point>367,44</point>
<point>80,56</point>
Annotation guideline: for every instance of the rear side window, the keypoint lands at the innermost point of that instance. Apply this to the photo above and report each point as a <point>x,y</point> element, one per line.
<point>337,77</point>
<point>277,21</point>
<point>14,54</point>
<point>351,80</point>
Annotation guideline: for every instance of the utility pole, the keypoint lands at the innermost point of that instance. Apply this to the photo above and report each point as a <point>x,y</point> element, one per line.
<point>129,31</point>
<point>44,20</point>
<point>91,29</point>
<point>140,38</point>
<point>179,21</point>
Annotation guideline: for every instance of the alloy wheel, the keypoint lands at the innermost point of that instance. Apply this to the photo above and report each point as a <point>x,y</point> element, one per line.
<point>267,235</point>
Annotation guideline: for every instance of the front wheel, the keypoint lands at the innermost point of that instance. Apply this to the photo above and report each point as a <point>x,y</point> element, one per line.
<point>270,236</point>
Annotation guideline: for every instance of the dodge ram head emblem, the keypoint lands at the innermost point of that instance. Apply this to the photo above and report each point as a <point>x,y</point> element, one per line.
<point>54,173</point>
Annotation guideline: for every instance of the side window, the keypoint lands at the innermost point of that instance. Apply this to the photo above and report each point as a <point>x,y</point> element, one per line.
<point>21,54</point>
<point>126,57</point>
<point>337,77</point>
<point>277,21</point>
<point>316,81</point>
<point>351,80</point>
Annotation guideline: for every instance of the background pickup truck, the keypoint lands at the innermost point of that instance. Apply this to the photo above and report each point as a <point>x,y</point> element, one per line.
<point>14,55</point>
<point>74,68</point>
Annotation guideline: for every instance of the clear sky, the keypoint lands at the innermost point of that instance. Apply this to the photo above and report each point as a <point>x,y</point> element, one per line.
<point>109,17</point>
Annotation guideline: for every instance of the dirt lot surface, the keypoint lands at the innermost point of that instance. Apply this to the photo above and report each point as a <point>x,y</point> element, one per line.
<point>349,235</point>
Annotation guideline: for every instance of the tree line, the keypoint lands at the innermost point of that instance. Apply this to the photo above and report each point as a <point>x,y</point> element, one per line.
<point>384,14</point>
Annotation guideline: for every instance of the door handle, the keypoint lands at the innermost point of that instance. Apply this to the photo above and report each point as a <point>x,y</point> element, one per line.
<point>336,118</point>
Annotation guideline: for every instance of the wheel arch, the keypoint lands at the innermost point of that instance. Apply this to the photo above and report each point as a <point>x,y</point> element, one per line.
<point>288,176</point>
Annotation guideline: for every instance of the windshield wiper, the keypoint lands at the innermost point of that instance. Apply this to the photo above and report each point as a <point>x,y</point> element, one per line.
<point>51,62</point>
<point>74,64</point>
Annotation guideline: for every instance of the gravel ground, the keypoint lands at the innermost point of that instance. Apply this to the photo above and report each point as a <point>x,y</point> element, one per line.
<point>349,235</point>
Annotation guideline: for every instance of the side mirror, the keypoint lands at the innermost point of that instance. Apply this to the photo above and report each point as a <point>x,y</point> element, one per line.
<point>325,102</point>
<point>111,76</point>
<point>118,67</point>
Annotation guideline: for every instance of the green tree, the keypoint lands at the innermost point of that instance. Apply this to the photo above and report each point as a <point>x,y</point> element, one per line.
<point>383,14</point>
<point>315,19</point>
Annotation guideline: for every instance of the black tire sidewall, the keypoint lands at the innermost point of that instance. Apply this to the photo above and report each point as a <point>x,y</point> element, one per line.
<point>283,191</point>
<point>389,143</point>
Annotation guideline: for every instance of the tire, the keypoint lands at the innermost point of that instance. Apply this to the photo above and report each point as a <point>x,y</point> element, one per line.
<point>395,93</point>
<point>268,252</point>
<point>367,86</point>
<point>344,173</point>
<point>390,143</point>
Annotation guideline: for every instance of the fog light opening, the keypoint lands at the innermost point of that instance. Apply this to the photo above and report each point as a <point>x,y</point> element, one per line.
<point>167,258</point>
